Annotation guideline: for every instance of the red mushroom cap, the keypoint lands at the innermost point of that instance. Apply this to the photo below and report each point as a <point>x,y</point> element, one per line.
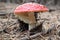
<point>30,7</point>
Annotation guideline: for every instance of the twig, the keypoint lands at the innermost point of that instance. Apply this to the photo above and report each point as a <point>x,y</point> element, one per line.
<point>33,36</point>
<point>12,24</point>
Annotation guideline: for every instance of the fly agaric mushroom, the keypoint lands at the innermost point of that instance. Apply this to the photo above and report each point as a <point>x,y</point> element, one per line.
<point>25,13</point>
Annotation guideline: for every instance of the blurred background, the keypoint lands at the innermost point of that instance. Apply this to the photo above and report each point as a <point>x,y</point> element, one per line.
<point>7,6</point>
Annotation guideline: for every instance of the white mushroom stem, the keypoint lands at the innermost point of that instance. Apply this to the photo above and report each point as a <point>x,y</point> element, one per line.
<point>32,23</point>
<point>31,26</point>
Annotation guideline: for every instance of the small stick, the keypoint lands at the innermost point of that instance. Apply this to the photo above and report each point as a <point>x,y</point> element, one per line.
<point>33,36</point>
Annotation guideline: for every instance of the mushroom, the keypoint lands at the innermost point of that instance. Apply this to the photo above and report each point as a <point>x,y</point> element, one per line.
<point>25,13</point>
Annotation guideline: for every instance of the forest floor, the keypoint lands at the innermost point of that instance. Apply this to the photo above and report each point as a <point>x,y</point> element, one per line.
<point>9,30</point>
